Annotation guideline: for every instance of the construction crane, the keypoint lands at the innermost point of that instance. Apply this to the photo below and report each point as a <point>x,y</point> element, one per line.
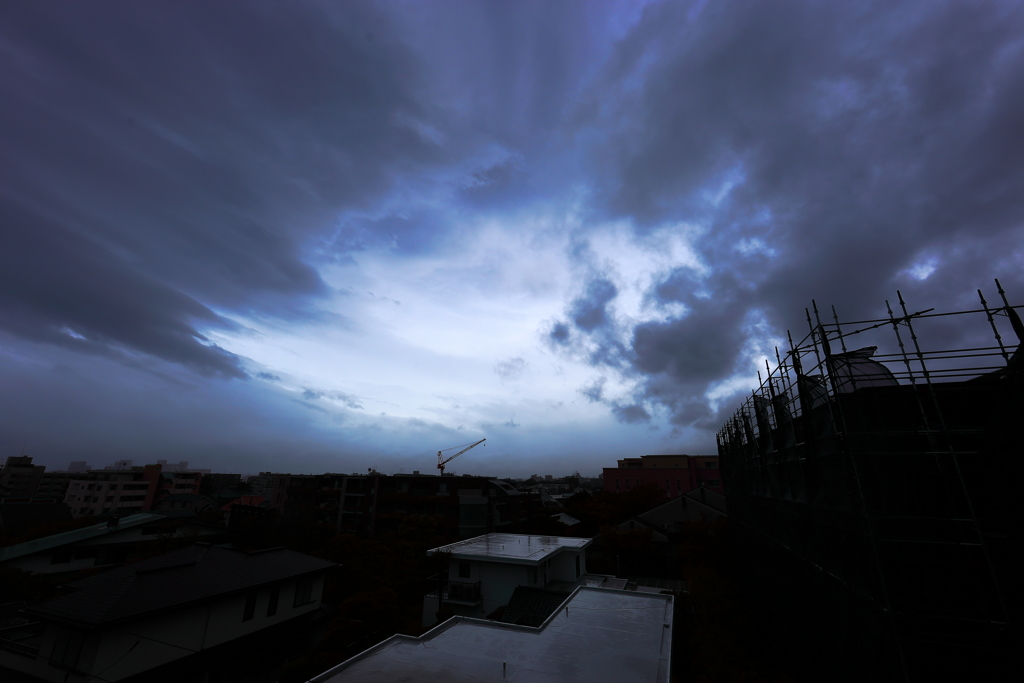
<point>442,462</point>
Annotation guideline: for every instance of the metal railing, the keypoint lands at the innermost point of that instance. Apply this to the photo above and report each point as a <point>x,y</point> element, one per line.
<point>463,591</point>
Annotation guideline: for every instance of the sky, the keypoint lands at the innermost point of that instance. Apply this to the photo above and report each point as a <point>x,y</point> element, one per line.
<point>329,236</point>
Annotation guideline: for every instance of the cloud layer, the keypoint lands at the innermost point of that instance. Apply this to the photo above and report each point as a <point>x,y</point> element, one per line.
<point>382,227</point>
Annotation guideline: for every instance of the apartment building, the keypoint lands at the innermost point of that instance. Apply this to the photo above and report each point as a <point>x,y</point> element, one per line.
<point>137,489</point>
<point>19,478</point>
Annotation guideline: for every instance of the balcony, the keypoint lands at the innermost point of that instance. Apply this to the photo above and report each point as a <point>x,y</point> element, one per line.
<point>456,592</point>
<point>463,592</point>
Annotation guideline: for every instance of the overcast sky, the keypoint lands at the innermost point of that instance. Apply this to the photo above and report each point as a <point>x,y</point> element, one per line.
<point>312,237</point>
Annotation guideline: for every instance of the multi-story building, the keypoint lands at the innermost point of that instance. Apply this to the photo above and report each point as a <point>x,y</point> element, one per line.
<point>675,474</point>
<point>54,485</point>
<point>874,497</point>
<point>137,489</point>
<point>19,478</point>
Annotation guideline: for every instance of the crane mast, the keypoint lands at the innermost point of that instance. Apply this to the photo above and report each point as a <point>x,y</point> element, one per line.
<point>442,461</point>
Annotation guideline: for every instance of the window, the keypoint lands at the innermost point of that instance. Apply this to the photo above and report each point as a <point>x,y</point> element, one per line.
<point>272,605</point>
<point>250,606</point>
<point>465,570</point>
<point>533,575</point>
<point>616,484</point>
<point>708,464</point>
<point>678,487</point>
<point>712,482</point>
<point>577,566</point>
<point>303,593</point>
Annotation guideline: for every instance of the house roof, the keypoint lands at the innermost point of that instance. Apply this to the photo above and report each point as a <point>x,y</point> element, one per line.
<point>189,575</point>
<point>69,537</point>
<point>598,635</point>
<point>511,548</point>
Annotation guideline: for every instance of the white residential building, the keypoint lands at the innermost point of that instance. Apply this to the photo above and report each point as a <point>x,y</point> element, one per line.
<point>484,571</point>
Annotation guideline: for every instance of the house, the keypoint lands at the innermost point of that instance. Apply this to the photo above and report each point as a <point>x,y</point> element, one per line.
<point>484,571</point>
<point>101,545</point>
<point>173,617</point>
<point>597,635</point>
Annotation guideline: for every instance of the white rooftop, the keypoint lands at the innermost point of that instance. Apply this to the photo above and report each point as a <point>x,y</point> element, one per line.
<point>606,635</point>
<point>516,548</point>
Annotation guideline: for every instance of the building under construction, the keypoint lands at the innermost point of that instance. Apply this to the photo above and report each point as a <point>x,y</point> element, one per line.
<point>874,480</point>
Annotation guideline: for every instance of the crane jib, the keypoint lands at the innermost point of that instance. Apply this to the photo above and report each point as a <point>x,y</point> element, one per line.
<point>441,462</point>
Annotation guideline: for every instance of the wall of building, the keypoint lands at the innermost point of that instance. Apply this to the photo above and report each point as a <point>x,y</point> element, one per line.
<point>562,565</point>
<point>680,480</point>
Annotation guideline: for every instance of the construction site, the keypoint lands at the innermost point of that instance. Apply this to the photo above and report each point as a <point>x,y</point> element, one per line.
<point>872,476</point>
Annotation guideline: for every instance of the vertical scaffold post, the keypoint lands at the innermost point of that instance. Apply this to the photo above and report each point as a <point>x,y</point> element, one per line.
<point>956,466</point>
<point>995,330</point>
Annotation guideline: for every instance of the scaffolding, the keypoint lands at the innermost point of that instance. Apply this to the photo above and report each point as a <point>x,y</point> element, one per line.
<point>872,483</point>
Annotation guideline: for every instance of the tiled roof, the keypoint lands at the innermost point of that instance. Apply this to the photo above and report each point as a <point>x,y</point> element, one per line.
<point>68,537</point>
<point>184,576</point>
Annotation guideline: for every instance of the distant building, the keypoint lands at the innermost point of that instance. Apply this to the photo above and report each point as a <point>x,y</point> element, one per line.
<point>138,489</point>
<point>182,616</point>
<point>19,478</point>
<point>595,635</point>
<point>675,474</point>
<point>79,466</point>
<point>191,502</point>
<point>464,506</point>
<point>101,545</point>
<point>54,485</point>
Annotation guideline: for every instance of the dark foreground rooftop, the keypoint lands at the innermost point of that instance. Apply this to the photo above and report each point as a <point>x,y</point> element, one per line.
<point>597,635</point>
<point>184,576</point>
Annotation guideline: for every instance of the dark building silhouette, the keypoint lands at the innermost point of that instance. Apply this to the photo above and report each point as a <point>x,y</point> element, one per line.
<point>872,496</point>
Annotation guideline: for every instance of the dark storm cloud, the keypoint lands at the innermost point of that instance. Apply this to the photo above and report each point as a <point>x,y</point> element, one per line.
<point>511,369</point>
<point>590,311</point>
<point>345,399</point>
<point>827,147</point>
<point>631,414</point>
<point>160,161</point>
<point>594,392</point>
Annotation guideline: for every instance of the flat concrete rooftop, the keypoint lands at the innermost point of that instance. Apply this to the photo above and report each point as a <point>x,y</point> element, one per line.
<point>597,635</point>
<point>517,548</point>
